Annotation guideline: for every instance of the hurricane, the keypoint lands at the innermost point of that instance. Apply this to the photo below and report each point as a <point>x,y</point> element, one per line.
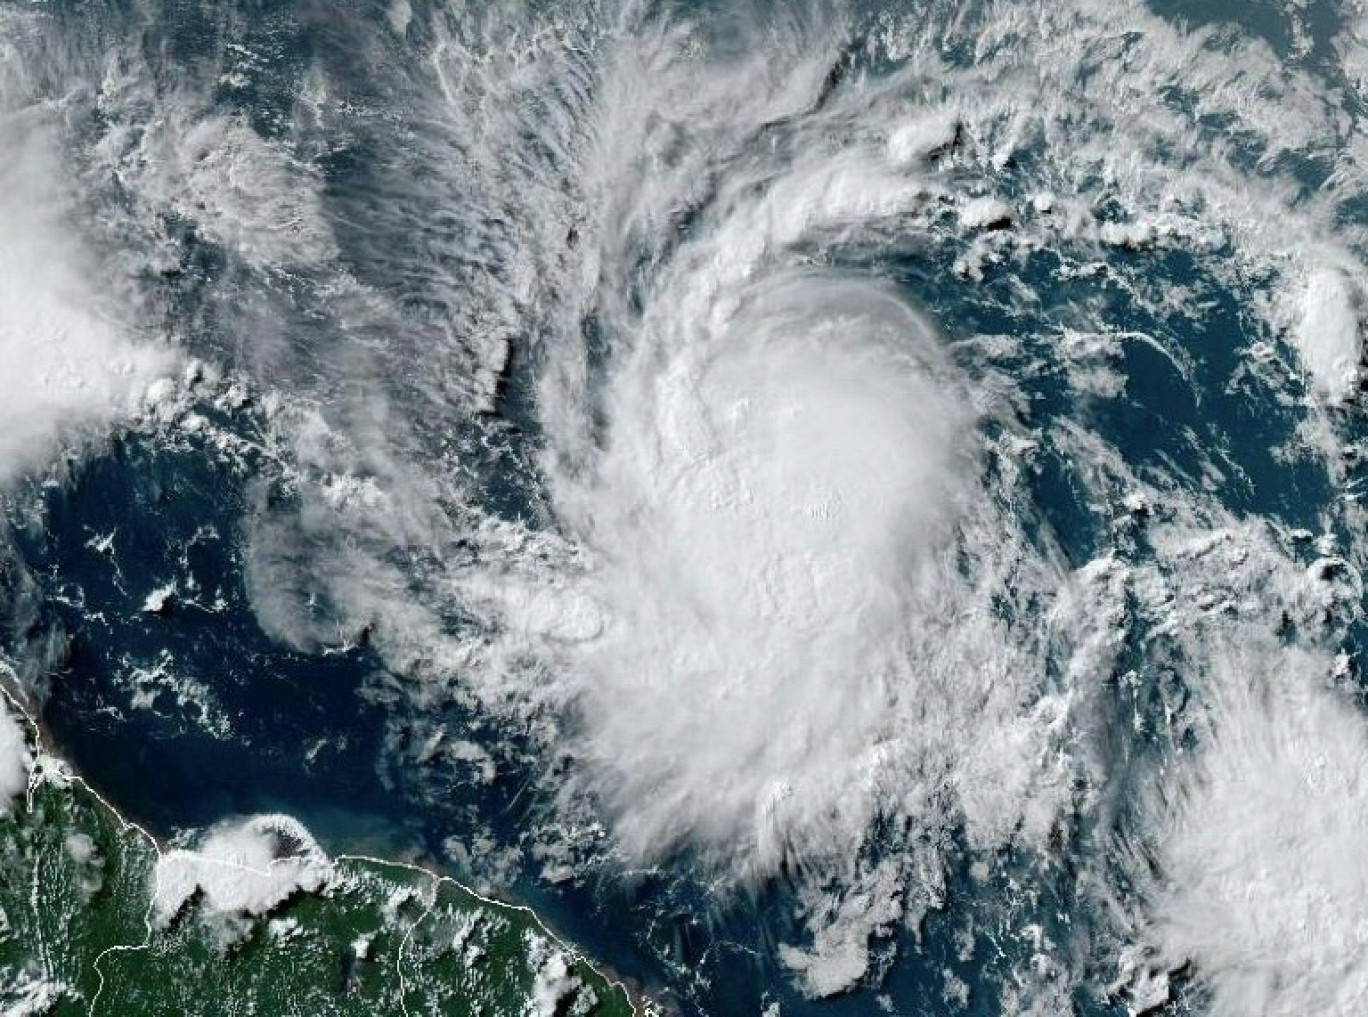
<point>845,507</point>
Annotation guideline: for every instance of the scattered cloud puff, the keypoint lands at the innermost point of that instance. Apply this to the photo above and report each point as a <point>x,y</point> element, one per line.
<point>253,196</point>
<point>842,925</point>
<point>554,981</point>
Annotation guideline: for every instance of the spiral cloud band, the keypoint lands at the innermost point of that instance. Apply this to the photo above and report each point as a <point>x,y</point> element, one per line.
<point>765,518</point>
<point>784,612</point>
<point>816,449</point>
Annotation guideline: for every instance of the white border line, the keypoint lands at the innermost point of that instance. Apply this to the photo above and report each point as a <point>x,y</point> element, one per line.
<point>36,776</point>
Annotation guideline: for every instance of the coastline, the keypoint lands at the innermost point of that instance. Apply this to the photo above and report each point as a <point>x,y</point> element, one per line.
<point>48,768</point>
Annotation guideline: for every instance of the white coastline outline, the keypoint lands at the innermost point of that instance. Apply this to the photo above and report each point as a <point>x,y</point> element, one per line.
<point>36,777</point>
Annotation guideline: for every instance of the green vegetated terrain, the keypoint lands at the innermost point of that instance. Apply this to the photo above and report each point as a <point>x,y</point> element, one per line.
<point>378,939</point>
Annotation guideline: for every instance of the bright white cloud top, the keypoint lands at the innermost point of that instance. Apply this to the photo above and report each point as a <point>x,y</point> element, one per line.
<point>767,521</point>
<point>773,617</point>
<point>1263,832</point>
<point>1329,335</point>
<point>243,869</point>
<point>16,760</point>
<point>66,358</point>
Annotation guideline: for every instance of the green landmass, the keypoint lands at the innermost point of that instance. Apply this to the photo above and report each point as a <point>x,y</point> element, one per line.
<point>77,935</point>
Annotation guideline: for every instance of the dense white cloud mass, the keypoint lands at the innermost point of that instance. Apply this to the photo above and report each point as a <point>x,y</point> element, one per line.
<point>243,869</point>
<point>16,761</point>
<point>1329,336</point>
<point>768,522</point>
<point>66,356</point>
<point>783,589</point>
<point>1261,838</point>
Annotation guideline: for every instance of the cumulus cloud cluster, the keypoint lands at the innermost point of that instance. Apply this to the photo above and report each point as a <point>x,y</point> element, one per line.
<point>16,759</point>
<point>1260,838</point>
<point>70,358</point>
<point>242,870</point>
